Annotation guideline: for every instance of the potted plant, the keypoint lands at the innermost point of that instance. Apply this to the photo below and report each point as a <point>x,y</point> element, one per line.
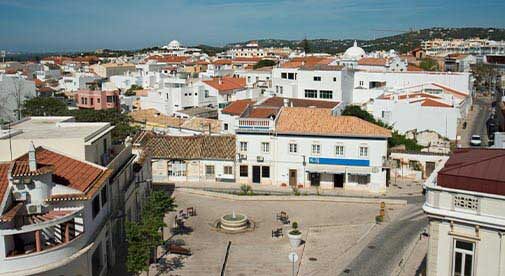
<point>295,236</point>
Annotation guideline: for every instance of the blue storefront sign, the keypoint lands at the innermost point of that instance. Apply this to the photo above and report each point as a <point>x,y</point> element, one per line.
<point>339,161</point>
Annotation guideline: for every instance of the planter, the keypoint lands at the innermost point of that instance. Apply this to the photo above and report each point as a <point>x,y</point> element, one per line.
<point>295,240</point>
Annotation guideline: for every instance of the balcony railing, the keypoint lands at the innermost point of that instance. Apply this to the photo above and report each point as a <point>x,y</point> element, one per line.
<point>255,124</point>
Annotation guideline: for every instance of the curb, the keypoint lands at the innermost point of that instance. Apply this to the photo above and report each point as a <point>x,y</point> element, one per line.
<point>295,198</point>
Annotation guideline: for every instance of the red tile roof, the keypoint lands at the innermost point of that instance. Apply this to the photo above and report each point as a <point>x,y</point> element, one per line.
<point>22,168</point>
<point>263,112</point>
<point>320,121</point>
<point>222,62</point>
<point>413,68</point>
<point>226,84</point>
<point>373,61</point>
<point>168,59</point>
<point>4,181</point>
<point>306,61</point>
<point>237,107</point>
<point>251,60</point>
<point>474,169</point>
<point>434,103</point>
<point>70,172</point>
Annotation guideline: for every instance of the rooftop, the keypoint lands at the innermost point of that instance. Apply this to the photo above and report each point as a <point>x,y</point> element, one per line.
<point>226,84</point>
<point>152,116</point>
<point>320,121</point>
<point>475,169</point>
<point>53,128</point>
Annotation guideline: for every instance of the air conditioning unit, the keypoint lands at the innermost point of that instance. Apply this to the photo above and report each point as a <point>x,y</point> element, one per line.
<point>20,196</point>
<point>260,158</point>
<point>34,209</point>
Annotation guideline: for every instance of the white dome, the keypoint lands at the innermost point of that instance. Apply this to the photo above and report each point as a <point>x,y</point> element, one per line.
<point>174,44</point>
<point>354,52</point>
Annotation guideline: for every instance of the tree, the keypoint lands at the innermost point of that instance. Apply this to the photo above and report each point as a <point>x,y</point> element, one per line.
<point>44,106</point>
<point>131,90</point>
<point>484,76</point>
<point>139,250</point>
<point>305,45</point>
<point>396,138</point>
<point>429,64</point>
<point>120,120</point>
<point>264,63</point>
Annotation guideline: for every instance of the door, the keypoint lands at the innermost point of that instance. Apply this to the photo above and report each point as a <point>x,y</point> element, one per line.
<point>315,179</point>
<point>430,167</point>
<point>256,177</point>
<point>292,178</point>
<point>338,180</point>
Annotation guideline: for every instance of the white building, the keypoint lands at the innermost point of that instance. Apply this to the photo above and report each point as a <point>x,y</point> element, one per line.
<point>251,49</point>
<point>222,90</point>
<point>325,150</point>
<point>464,204</point>
<point>79,81</point>
<point>474,46</point>
<point>426,107</point>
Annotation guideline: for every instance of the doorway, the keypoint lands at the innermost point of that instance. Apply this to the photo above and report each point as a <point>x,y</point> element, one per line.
<point>292,178</point>
<point>430,167</point>
<point>338,180</point>
<point>315,179</point>
<point>256,177</point>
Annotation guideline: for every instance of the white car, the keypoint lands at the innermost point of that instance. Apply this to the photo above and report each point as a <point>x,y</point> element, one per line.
<point>475,140</point>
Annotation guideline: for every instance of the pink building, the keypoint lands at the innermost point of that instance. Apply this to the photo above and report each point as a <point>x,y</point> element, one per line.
<point>97,99</point>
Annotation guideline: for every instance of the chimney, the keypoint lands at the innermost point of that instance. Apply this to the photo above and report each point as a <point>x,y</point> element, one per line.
<point>220,81</point>
<point>32,160</point>
<point>286,102</point>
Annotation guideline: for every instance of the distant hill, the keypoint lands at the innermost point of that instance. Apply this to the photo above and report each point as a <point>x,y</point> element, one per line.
<point>401,42</point>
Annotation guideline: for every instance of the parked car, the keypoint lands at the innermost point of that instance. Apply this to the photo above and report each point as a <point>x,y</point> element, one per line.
<point>475,140</point>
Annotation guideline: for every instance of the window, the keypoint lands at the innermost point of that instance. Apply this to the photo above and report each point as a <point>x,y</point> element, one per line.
<point>209,170</point>
<point>361,83</point>
<point>243,171</point>
<point>103,195</point>
<point>291,76</point>
<point>316,149</point>
<point>293,148</point>
<point>317,78</point>
<point>265,172</point>
<point>228,170</point>
<point>177,168</point>
<point>466,202</point>
<point>363,151</point>
<point>276,89</point>
<point>97,100</point>
<point>281,89</point>
<point>339,150</point>
<point>359,178</point>
<point>265,147</point>
<point>206,93</point>
<point>310,93</point>
<point>326,94</point>
<point>225,126</point>
<point>95,206</point>
<point>462,260</point>
<point>91,101</point>
<point>284,75</point>
<point>110,99</point>
<point>334,79</point>
<point>243,146</point>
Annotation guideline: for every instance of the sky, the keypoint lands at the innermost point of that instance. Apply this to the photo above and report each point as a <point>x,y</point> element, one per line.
<point>79,25</point>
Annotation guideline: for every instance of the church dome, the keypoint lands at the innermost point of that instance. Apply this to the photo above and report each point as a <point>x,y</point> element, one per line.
<point>354,52</point>
<point>174,44</point>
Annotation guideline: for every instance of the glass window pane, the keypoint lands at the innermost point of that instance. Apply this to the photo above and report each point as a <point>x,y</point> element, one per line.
<point>464,245</point>
<point>457,264</point>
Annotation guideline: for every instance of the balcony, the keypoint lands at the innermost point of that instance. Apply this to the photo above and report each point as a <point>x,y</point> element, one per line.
<point>260,125</point>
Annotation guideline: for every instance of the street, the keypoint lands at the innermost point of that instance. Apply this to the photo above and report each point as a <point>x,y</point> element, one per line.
<point>384,252</point>
<point>476,121</point>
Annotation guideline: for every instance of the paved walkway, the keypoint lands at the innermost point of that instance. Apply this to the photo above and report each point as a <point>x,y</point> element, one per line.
<point>334,233</point>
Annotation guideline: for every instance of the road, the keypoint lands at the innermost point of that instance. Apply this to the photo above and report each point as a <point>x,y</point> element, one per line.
<point>477,121</point>
<point>384,252</point>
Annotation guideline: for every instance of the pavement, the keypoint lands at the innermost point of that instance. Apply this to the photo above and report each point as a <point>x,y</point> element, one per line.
<point>387,250</point>
<point>476,121</point>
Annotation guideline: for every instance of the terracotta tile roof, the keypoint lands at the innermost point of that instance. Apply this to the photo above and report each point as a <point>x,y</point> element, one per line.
<point>413,68</point>
<point>222,62</point>
<point>263,112</point>
<point>306,61</point>
<point>11,213</point>
<point>434,103</point>
<point>294,102</point>
<point>70,172</point>
<point>66,197</point>
<point>4,181</point>
<point>320,121</point>
<point>474,169</point>
<point>373,61</point>
<point>191,147</point>
<point>168,59</point>
<point>226,84</point>
<point>237,107</point>
<point>252,60</point>
<point>21,168</point>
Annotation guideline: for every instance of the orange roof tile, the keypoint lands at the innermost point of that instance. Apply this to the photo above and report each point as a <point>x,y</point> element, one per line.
<point>222,62</point>
<point>434,103</point>
<point>263,112</point>
<point>373,61</point>
<point>320,121</point>
<point>237,107</point>
<point>4,181</point>
<point>413,68</point>
<point>226,84</point>
<point>168,59</point>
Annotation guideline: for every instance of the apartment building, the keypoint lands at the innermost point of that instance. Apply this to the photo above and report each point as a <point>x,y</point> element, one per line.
<point>474,46</point>
<point>113,69</point>
<point>97,99</point>
<point>311,147</point>
<point>464,204</point>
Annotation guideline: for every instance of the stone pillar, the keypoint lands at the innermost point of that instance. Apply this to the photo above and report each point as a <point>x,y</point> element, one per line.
<point>38,244</point>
